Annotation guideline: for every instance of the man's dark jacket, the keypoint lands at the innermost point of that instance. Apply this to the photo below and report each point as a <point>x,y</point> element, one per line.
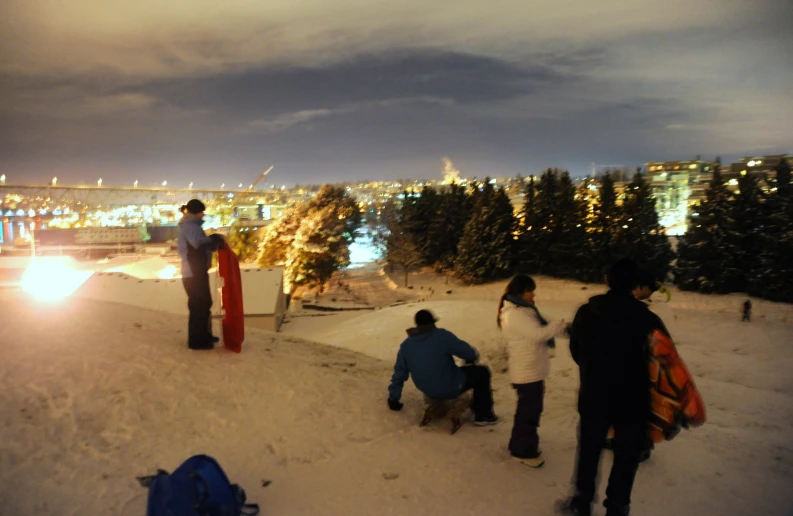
<point>428,356</point>
<point>609,342</point>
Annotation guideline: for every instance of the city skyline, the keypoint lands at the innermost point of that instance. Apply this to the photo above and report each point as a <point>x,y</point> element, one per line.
<point>351,90</point>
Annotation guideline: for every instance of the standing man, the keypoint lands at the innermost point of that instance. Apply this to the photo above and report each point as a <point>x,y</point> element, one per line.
<point>608,341</point>
<point>428,356</point>
<point>195,248</point>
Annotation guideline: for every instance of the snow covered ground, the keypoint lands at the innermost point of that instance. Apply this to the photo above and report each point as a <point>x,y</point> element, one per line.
<point>92,395</point>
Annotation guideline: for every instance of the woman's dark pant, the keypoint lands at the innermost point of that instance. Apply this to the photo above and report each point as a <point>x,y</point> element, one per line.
<point>199,302</point>
<point>525,441</point>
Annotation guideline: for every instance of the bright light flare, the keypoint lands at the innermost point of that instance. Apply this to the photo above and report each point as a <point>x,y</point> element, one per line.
<point>52,279</point>
<point>167,273</point>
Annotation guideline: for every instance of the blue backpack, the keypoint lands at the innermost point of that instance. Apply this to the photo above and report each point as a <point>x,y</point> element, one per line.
<point>198,487</point>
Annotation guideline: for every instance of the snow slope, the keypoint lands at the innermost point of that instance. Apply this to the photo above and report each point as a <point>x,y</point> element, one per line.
<point>92,395</point>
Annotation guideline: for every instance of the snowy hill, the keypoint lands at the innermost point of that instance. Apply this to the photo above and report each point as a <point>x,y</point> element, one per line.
<point>92,395</point>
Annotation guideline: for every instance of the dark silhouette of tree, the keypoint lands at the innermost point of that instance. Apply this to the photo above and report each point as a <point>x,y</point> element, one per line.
<point>486,248</point>
<point>707,252</point>
<point>642,238</point>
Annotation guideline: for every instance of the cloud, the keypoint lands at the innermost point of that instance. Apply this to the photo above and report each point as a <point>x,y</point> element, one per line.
<point>348,85</point>
<point>151,38</point>
<point>288,120</point>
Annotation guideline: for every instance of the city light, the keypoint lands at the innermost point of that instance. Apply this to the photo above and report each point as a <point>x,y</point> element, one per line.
<point>135,184</point>
<point>3,179</point>
<point>190,186</point>
<point>165,183</point>
<point>99,183</point>
<point>51,278</point>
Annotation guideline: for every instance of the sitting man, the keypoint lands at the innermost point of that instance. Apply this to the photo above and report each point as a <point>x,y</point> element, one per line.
<point>428,355</point>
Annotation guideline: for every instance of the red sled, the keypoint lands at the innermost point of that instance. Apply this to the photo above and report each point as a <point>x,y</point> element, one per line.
<point>231,299</point>
<point>676,402</point>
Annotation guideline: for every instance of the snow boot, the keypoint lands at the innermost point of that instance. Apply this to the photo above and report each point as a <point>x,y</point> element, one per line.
<point>533,462</point>
<point>574,506</point>
<point>492,420</point>
<point>616,509</point>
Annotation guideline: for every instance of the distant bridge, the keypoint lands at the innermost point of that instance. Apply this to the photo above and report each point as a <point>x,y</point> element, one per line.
<point>116,195</point>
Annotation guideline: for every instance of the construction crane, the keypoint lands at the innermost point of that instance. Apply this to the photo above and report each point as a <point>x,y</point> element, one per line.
<point>259,179</point>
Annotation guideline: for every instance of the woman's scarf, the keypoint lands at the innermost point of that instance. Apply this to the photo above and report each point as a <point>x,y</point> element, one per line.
<point>522,302</point>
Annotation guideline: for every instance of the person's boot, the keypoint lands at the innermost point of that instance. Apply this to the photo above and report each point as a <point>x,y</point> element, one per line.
<point>616,509</point>
<point>574,506</point>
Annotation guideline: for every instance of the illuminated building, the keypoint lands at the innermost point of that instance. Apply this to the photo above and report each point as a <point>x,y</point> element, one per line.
<point>675,186</point>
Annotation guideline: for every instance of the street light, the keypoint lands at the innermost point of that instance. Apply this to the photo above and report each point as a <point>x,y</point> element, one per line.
<point>99,183</point>
<point>191,186</point>
<point>221,186</point>
<point>135,184</point>
<point>165,183</point>
<point>54,181</point>
<point>3,179</point>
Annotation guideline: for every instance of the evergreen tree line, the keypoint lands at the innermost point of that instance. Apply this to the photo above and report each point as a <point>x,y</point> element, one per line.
<point>741,241</point>
<point>476,235</point>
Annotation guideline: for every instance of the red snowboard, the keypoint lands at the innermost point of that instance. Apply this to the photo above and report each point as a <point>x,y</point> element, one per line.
<point>231,299</point>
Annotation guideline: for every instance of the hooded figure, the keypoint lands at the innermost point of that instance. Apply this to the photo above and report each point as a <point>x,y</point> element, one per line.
<point>428,355</point>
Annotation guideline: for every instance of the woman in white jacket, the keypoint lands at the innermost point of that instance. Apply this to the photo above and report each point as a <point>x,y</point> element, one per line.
<point>529,337</point>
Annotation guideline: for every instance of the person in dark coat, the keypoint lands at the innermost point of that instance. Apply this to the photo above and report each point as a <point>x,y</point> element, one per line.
<point>427,355</point>
<point>746,311</point>
<point>608,341</point>
<point>195,249</point>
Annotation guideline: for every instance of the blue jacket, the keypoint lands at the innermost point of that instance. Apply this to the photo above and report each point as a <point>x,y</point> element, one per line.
<point>428,355</point>
<point>194,247</point>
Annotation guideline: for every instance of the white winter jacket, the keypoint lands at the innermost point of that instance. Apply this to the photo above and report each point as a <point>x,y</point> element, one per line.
<point>527,342</point>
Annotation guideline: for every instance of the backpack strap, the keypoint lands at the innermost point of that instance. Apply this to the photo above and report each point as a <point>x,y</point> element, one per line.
<point>145,481</point>
<point>246,509</point>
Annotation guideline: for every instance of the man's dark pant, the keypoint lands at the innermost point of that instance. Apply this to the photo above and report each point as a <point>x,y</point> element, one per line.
<point>199,302</point>
<point>477,377</point>
<point>629,440</point>
<point>525,441</point>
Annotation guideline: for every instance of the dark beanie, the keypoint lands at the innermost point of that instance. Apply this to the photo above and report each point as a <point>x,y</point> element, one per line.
<point>195,206</point>
<point>424,317</point>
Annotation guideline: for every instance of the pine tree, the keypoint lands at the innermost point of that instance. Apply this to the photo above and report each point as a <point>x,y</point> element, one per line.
<point>747,214</point>
<point>418,212</point>
<point>486,248</point>
<point>528,231</point>
<point>277,239</point>
<point>568,254</point>
<point>772,278</point>
<point>707,252</point>
<point>313,241</point>
<point>643,239</point>
<point>605,230</point>
<point>245,242</point>
<point>447,228</point>
<point>547,192</point>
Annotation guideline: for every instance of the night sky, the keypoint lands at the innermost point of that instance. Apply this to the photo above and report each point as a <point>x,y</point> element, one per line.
<point>333,90</point>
